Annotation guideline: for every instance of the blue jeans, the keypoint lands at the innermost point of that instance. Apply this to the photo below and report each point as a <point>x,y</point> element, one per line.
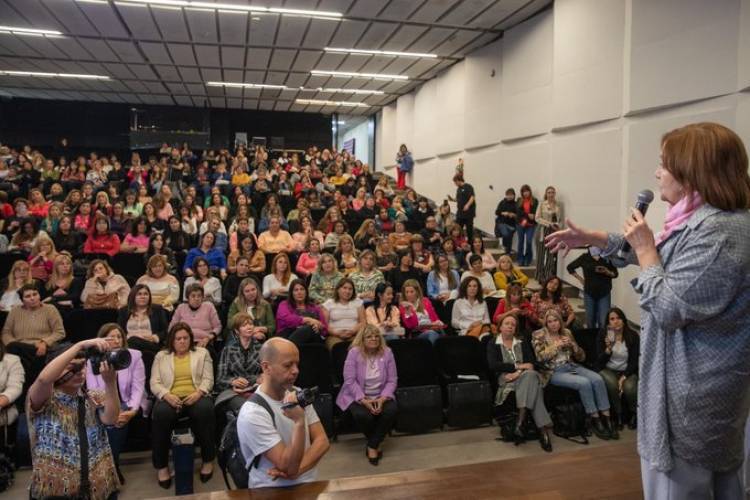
<point>525,245</point>
<point>590,386</point>
<point>430,335</point>
<point>596,310</point>
<point>505,232</point>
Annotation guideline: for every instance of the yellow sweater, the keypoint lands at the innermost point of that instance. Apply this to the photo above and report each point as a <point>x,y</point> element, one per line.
<point>183,380</point>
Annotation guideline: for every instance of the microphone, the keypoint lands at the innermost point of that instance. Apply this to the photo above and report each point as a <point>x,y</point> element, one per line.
<point>645,197</point>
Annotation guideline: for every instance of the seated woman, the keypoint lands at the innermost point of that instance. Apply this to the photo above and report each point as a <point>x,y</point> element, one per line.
<point>275,239</point>
<point>131,384</point>
<point>511,359</point>
<point>145,324</point>
<point>101,240</point>
<point>331,242</point>
<point>366,277</point>
<point>200,314</point>
<point>19,275</point>
<point>384,314</point>
<point>250,301</point>
<point>181,380</point>
<point>418,315</point>
<point>276,285</point>
<point>308,260</point>
<point>420,256</point>
<point>476,271</point>
<point>12,378</point>
<point>386,259</point>
<point>137,240</point>
<point>324,280</point>
<point>405,272</point>
<point>442,287</point>
<point>201,275</point>
<point>178,240</point>
<point>551,297</point>
<point>448,248</point>
<point>157,245</point>
<point>559,357</point>
<point>346,255</point>
<point>508,274</point>
<point>41,258</point>
<point>307,233</point>
<point>617,356</point>
<point>366,237</point>
<point>400,240</point>
<point>103,288</point>
<point>67,239</point>
<point>63,289</point>
<point>344,313</point>
<point>513,304</point>
<point>165,290</point>
<point>239,365</point>
<point>248,247</point>
<point>370,381</point>
<point>489,263</point>
<point>298,319</point>
<point>215,257</point>
<point>470,315</point>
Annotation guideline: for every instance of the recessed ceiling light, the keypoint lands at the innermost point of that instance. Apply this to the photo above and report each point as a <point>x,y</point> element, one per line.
<point>237,7</point>
<point>352,74</point>
<point>100,2</point>
<point>333,103</point>
<point>54,75</point>
<point>245,85</point>
<point>28,31</point>
<point>391,53</point>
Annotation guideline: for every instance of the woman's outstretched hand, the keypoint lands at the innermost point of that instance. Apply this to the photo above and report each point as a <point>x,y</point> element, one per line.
<point>570,237</point>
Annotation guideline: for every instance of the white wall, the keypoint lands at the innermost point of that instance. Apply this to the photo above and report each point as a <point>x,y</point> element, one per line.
<point>360,134</point>
<point>577,97</point>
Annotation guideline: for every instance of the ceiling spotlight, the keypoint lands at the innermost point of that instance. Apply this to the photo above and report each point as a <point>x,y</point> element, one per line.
<point>246,85</point>
<point>344,91</point>
<point>236,7</point>
<point>333,103</point>
<point>352,74</point>
<point>53,75</point>
<point>16,30</point>
<point>391,53</point>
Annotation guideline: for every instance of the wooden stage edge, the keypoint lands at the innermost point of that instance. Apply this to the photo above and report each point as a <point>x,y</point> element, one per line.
<point>602,472</point>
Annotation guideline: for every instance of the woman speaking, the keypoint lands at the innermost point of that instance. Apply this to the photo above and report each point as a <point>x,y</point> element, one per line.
<point>694,287</point>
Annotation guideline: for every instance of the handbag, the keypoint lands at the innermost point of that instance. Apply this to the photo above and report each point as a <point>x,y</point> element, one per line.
<point>478,331</point>
<point>110,301</point>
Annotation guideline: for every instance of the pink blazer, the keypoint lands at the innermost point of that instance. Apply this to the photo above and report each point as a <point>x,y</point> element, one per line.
<point>355,370</point>
<point>131,381</point>
<point>410,322</point>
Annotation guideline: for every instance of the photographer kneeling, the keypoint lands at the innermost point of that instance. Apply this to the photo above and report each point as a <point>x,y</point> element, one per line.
<point>59,413</point>
<point>289,440</point>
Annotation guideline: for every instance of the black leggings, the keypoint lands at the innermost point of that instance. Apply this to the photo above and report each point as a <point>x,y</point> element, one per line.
<point>202,423</point>
<point>375,427</point>
<point>302,335</point>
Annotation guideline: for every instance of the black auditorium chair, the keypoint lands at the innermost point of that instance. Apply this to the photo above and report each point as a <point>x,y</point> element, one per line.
<point>462,366</point>
<point>130,265</point>
<point>419,399</point>
<point>586,339</point>
<point>8,259</point>
<point>344,420</point>
<point>315,370</point>
<point>83,324</point>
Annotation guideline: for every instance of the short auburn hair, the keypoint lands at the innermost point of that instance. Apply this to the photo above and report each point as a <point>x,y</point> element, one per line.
<point>709,158</point>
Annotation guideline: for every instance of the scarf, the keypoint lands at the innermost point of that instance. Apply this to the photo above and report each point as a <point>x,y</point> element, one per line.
<point>678,214</point>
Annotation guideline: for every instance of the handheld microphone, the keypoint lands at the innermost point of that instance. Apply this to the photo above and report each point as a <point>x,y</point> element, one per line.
<point>645,197</point>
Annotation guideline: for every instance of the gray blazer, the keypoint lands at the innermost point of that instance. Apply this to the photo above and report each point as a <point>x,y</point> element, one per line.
<point>695,342</point>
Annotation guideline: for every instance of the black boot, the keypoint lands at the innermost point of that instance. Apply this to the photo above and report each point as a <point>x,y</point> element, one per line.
<point>599,430</point>
<point>633,423</point>
<point>518,435</point>
<point>610,428</point>
<point>544,440</point>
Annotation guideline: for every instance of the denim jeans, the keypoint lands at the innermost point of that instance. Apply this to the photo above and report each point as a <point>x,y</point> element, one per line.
<point>430,335</point>
<point>505,232</point>
<point>590,386</point>
<point>525,245</point>
<point>596,310</point>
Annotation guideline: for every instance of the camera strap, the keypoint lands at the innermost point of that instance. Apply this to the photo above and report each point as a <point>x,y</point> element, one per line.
<point>261,401</point>
<point>83,442</point>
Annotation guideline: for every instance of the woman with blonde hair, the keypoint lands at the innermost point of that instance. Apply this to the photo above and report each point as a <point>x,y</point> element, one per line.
<point>509,274</point>
<point>549,217</point>
<point>417,314</point>
<point>250,301</point>
<point>346,255</point>
<point>104,289</point>
<point>19,275</point>
<point>324,280</point>
<point>276,284</point>
<point>366,277</point>
<point>42,257</point>
<point>165,289</point>
<point>370,381</point>
<point>63,288</point>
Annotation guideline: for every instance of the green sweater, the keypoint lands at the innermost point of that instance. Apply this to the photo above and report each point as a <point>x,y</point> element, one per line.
<point>322,287</point>
<point>263,317</point>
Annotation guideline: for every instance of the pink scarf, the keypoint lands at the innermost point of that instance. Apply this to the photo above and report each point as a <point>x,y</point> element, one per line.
<point>678,214</point>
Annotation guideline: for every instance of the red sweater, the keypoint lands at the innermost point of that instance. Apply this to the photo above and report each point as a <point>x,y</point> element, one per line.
<point>109,244</point>
<point>411,321</point>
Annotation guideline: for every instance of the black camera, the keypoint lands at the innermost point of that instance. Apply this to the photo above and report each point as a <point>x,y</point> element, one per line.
<point>118,359</point>
<point>305,397</point>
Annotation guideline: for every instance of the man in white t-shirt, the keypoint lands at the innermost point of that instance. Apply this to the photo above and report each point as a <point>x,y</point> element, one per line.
<point>292,442</point>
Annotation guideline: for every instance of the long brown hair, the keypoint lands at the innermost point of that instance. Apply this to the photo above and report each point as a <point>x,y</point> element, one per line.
<point>709,158</point>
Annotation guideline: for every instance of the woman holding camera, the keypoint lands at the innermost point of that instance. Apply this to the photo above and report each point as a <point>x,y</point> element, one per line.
<point>181,380</point>
<point>56,401</point>
<point>131,382</point>
<point>370,381</point>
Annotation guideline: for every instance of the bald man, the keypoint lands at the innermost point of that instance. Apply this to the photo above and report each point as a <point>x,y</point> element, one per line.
<point>291,448</point>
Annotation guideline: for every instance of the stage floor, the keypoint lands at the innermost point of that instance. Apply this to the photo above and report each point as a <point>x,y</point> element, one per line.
<point>602,472</point>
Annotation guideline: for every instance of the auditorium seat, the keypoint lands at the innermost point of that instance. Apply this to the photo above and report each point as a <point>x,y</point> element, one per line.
<point>586,339</point>
<point>82,324</point>
<point>315,369</point>
<point>7,260</point>
<point>130,266</point>
<point>462,366</point>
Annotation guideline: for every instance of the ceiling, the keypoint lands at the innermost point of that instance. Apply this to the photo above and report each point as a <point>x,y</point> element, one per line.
<point>165,54</point>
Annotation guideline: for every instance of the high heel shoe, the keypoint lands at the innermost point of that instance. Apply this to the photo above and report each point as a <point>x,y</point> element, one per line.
<point>518,435</point>
<point>545,441</point>
<point>165,483</point>
<point>373,460</point>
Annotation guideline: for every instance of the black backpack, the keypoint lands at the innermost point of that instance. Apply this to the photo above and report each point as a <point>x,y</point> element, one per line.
<point>569,421</point>
<point>231,460</point>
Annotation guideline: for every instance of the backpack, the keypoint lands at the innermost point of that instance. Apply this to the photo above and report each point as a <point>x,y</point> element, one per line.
<point>569,421</point>
<point>231,460</point>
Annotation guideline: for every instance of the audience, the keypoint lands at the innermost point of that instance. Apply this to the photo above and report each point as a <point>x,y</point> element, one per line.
<point>470,315</point>
<point>384,314</point>
<point>526,223</point>
<point>181,380</point>
<point>239,365</point>
<point>323,281</point>
<point>551,297</point>
<point>419,317</point>
<point>165,290</point>
<point>370,381</point>
<point>103,288</point>
<point>508,274</point>
<point>63,289</point>
<point>597,279</point>
<point>250,301</point>
<point>200,315</point>
<point>202,276</point>
<point>12,378</point>
<point>19,275</point>
<point>483,277</point>
<point>344,313</point>
<point>277,284</point>
<point>298,318</point>
<point>144,323</point>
